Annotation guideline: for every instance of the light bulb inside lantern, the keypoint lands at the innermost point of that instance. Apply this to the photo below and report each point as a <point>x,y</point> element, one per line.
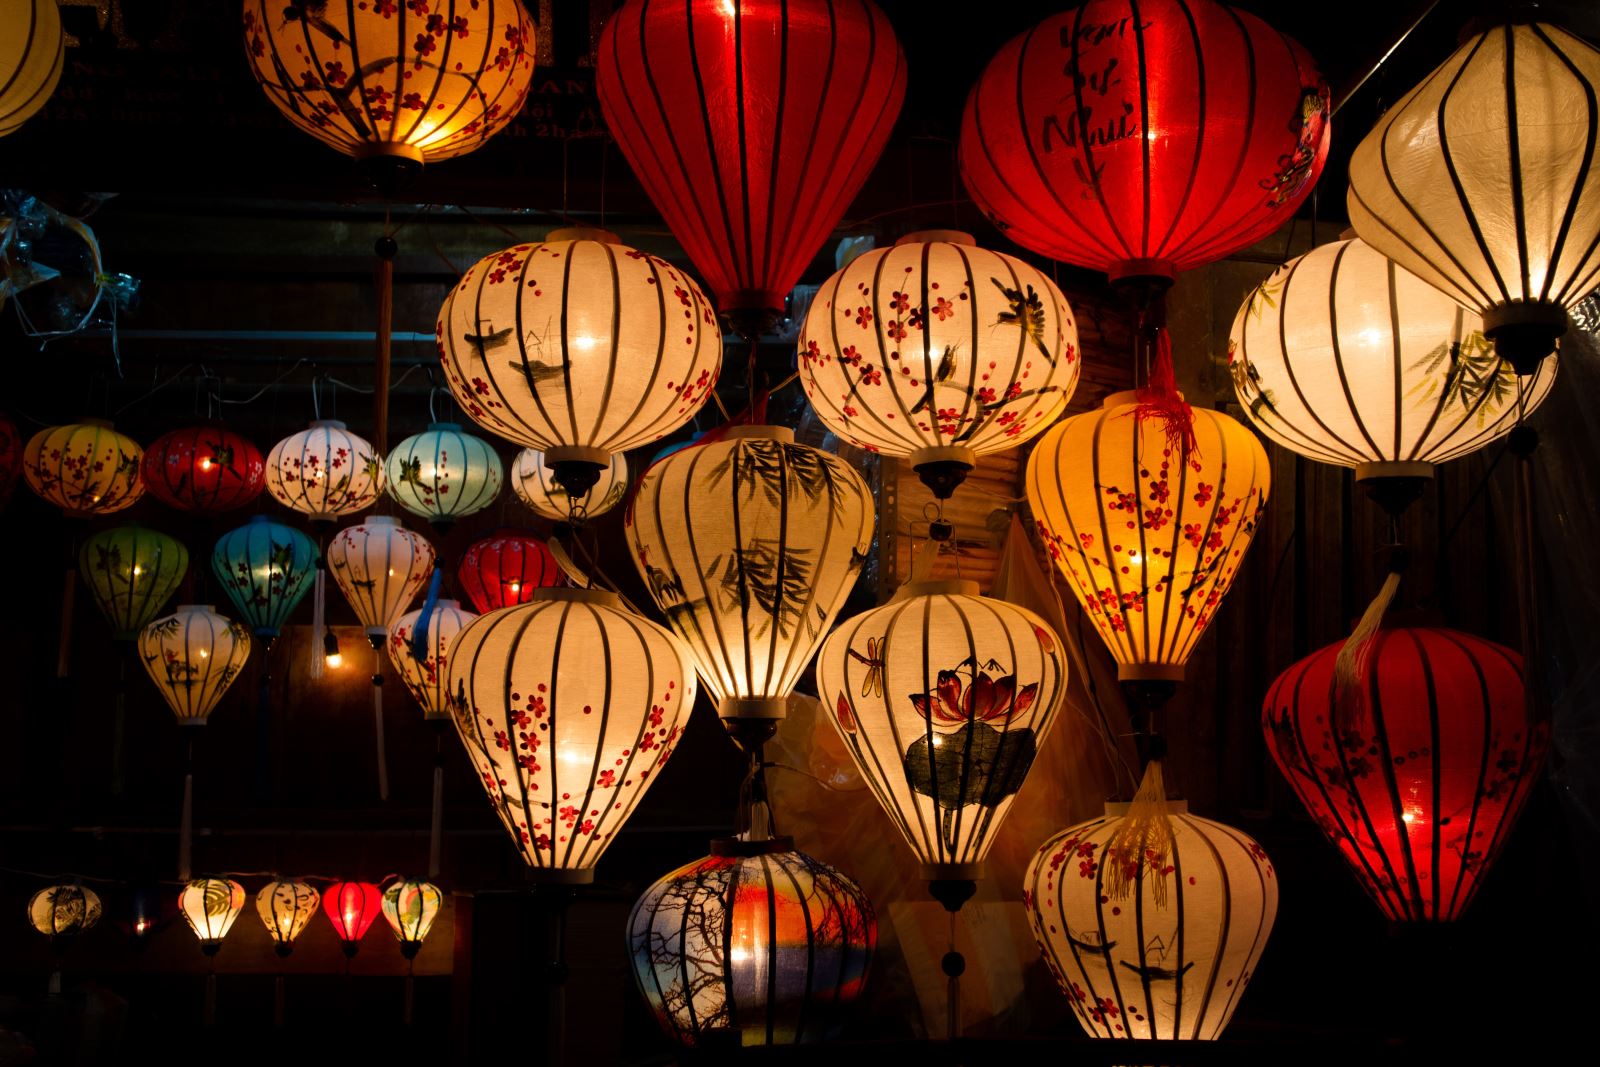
<point>140,926</point>
<point>1370,337</point>
<point>585,343</point>
<point>205,653</point>
<point>515,587</point>
<point>205,464</point>
<point>330,651</point>
<point>137,570</point>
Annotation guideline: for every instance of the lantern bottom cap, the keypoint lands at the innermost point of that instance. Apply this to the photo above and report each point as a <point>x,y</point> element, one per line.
<point>196,721</point>
<point>389,150</point>
<point>760,433</point>
<point>577,454</point>
<point>562,875</point>
<point>943,454</point>
<point>1116,809</point>
<point>1525,331</point>
<point>753,707</point>
<point>1150,672</point>
<point>952,872</point>
<point>1155,273</point>
<point>1393,469</point>
<point>937,587</point>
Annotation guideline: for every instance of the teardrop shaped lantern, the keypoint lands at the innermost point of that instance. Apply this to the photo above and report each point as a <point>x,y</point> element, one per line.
<point>63,910</point>
<point>131,571</point>
<point>567,705</point>
<point>507,567</point>
<point>32,55</point>
<point>1148,533</point>
<point>757,944</point>
<point>86,468</point>
<point>1482,181</point>
<point>324,472</point>
<point>204,469</point>
<point>409,907</point>
<point>1142,139</point>
<point>380,567</point>
<point>1419,791</point>
<point>395,81</point>
<point>428,677</point>
<point>266,568</point>
<point>942,698</point>
<point>285,909</point>
<point>750,545</point>
<point>535,484</point>
<point>752,124</point>
<point>578,346</point>
<point>351,907</point>
<point>210,906</point>
<point>193,656</point>
<point>10,457</point>
<point>1171,960</point>
<point>443,474</point>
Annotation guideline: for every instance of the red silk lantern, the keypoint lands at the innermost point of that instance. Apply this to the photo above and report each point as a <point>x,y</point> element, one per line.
<point>1145,138</point>
<point>10,456</point>
<point>507,568</point>
<point>1419,783</point>
<point>752,124</point>
<point>204,469</point>
<point>352,907</point>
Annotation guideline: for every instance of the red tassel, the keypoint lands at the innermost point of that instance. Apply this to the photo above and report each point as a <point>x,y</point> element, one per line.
<point>1160,400</point>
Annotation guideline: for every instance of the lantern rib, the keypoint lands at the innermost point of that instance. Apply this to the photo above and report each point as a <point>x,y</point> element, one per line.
<point>27,46</point>
<point>730,895</point>
<point>704,661</point>
<point>724,684</point>
<point>774,164</point>
<point>693,54</point>
<point>1477,793</point>
<point>1338,358</point>
<point>567,343</point>
<point>661,351</point>
<point>1105,542</point>
<point>651,684</point>
<point>1467,212</point>
<point>1288,366</point>
<point>355,94</point>
<point>555,733</point>
<point>896,614</point>
<point>1101,897</point>
<point>599,815</point>
<point>1202,1009</point>
<point>548,435</point>
<point>1083,136</point>
<point>1137,892</point>
<point>438,83</point>
<point>1582,177</point>
<point>741,122</point>
<point>1519,207</point>
<point>1414,904</point>
<point>598,427</point>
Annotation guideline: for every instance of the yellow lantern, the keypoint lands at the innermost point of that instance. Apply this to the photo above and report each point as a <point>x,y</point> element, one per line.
<point>86,468</point>
<point>285,908</point>
<point>193,656</point>
<point>1148,533</point>
<point>380,567</point>
<point>63,910</point>
<point>428,677</point>
<point>31,57</point>
<point>1482,181</point>
<point>409,907</point>
<point>324,472</point>
<point>535,484</point>
<point>210,906</point>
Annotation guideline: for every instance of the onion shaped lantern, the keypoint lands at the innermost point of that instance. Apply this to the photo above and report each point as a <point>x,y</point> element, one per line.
<point>193,656</point>
<point>204,469</point>
<point>409,907</point>
<point>938,351</point>
<point>352,907</point>
<point>266,568</point>
<point>59,911</point>
<point>1481,181</point>
<point>535,485</point>
<point>756,944</point>
<point>752,124</point>
<point>580,347</point>
<point>1143,139</point>
<point>1420,785</point>
<point>85,468</point>
<point>1171,960</point>
<point>1148,532</point>
<point>210,906</point>
<point>10,457</point>
<point>567,705</point>
<point>32,55</point>
<point>131,571</point>
<point>380,567</point>
<point>324,472</point>
<point>428,677</point>
<point>443,474</point>
<point>285,909</point>
<point>750,545</point>
<point>506,568</point>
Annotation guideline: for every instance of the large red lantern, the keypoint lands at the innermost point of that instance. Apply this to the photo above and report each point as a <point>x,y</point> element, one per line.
<point>352,907</point>
<point>507,568</point>
<point>752,124</point>
<point>1144,138</point>
<point>1418,772</point>
<point>204,469</point>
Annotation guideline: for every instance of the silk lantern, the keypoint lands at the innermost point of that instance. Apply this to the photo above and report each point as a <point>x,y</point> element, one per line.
<point>580,347</point>
<point>506,568</point>
<point>535,484</point>
<point>1148,532</point>
<point>567,705</point>
<point>85,468</point>
<point>210,906</point>
<point>131,571</point>
<point>1420,786</point>
<point>351,907</point>
<point>266,569</point>
<point>380,566</point>
<point>752,124</point>
<point>443,474</point>
<point>10,457</point>
<point>938,351</point>
<point>324,472</point>
<point>757,944</point>
<point>427,677</point>
<point>750,545</point>
<point>1481,181</point>
<point>193,656</point>
<point>203,469</point>
<point>1136,968</point>
<point>285,909</point>
<point>63,910</point>
<point>394,82</point>
<point>409,907</point>
<point>32,55</point>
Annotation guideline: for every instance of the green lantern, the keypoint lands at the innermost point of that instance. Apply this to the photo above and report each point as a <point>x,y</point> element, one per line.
<point>266,568</point>
<point>131,571</point>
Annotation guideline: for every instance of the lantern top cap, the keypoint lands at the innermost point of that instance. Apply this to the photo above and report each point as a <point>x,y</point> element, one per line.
<point>448,603</point>
<point>380,520</point>
<point>760,433</point>
<point>950,587</point>
<point>443,427</point>
<point>1118,809</point>
<point>103,423</point>
<point>1126,396</point>
<point>197,607</point>
<point>332,424</point>
<point>735,846</point>
<point>574,595</point>
<point>583,233</point>
<point>949,237</point>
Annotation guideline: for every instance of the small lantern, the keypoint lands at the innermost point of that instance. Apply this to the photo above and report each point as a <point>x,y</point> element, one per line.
<point>266,569</point>
<point>506,568</point>
<point>60,911</point>
<point>351,907</point>
<point>285,909</point>
<point>428,677</point>
<point>84,469</point>
<point>535,485</point>
<point>193,656</point>
<point>131,571</point>
<point>409,907</point>
<point>210,906</point>
<point>380,567</point>
<point>443,474</point>
<point>32,57</point>
<point>204,469</point>
<point>324,472</point>
<point>145,912</point>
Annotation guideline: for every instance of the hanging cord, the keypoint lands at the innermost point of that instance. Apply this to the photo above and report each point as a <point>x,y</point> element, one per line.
<point>954,965</point>
<point>1524,442</point>
<point>186,825</point>
<point>377,719</point>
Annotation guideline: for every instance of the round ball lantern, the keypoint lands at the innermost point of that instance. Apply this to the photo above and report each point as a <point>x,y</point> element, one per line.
<point>506,568</point>
<point>210,906</point>
<point>567,705</point>
<point>266,568</point>
<point>324,472</point>
<point>443,474</point>
<point>535,485</point>
<point>380,567</point>
<point>10,457</point>
<point>428,677</point>
<point>752,124</point>
<point>757,944</point>
<point>409,907</point>
<point>85,468</point>
<point>351,907</point>
<point>1171,960</point>
<point>203,469</point>
<point>131,571</point>
<point>396,81</point>
<point>942,698</point>
<point>1420,785</point>
<point>1481,181</point>
<point>938,351</point>
<point>32,55</point>
<point>1148,532</point>
<point>750,545</point>
<point>1143,139</point>
<point>63,910</point>
<point>285,909</point>
<point>580,347</point>
<point>193,656</point>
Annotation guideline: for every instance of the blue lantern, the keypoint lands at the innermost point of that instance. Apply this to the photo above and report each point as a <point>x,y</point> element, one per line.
<point>266,568</point>
<point>443,474</point>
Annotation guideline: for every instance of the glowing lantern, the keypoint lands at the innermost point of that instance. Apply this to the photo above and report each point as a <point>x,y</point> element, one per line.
<point>1481,181</point>
<point>1171,960</point>
<point>401,82</point>
<point>580,347</point>
<point>210,906</point>
<point>752,124</point>
<point>938,351</point>
<point>750,545</point>
<point>1146,138</point>
<point>1419,787</point>
<point>443,474</point>
<point>86,468</point>
<point>285,909</point>
<point>131,571</point>
<point>203,469</point>
<point>193,656</point>
<point>756,944</point>
<point>566,706</point>
<point>351,907</point>
<point>31,57</point>
<point>536,486</point>
<point>63,910</point>
<point>10,456</point>
<point>380,566</point>
<point>507,568</point>
<point>324,472</point>
<point>265,568</point>
<point>428,677</point>
<point>409,907</point>
<point>1149,533</point>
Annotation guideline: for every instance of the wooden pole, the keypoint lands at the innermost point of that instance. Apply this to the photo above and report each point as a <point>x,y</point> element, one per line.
<point>385,248</point>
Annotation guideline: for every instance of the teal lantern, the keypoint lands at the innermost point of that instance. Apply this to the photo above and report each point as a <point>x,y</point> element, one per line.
<point>266,568</point>
<point>131,571</point>
<point>443,474</point>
